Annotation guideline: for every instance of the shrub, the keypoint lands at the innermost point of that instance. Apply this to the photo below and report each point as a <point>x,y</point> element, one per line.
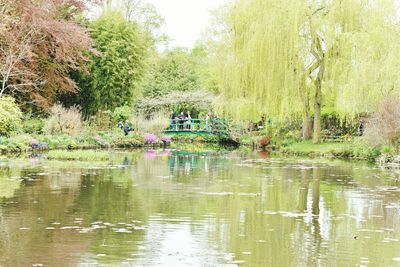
<point>103,120</point>
<point>64,121</point>
<point>335,125</point>
<point>264,141</point>
<point>383,127</point>
<point>131,140</point>
<point>122,114</point>
<point>10,116</point>
<point>156,124</point>
<point>150,139</point>
<point>33,126</point>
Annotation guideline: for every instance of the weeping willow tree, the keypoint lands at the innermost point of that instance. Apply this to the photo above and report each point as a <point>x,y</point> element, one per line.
<point>285,58</point>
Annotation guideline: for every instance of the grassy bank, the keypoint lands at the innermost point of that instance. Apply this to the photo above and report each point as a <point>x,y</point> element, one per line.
<point>25,142</point>
<point>355,149</point>
<point>94,140</point>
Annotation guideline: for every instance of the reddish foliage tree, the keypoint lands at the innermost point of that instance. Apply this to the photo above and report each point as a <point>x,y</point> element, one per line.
<point>40,43</point>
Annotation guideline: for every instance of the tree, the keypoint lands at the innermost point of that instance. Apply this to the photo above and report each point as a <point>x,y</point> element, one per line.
<point>175,70</point>
<point>144,14</point>
<point>114,76</point>
<point>40,43</point>
<point>270,64</point>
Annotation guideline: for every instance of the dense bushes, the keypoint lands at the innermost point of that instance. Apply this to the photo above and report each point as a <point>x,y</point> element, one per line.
<point>10,116</point>
<point>33,126</point>
<point>157,123</point>
<point>383,127</point>
<point>334,125</point>
<point>122,113</point>
<point>64,121</point>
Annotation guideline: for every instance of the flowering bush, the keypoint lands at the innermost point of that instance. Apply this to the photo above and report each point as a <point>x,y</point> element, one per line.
<point>150,139</point>
<point>264,141</point>
<point>166,139</point>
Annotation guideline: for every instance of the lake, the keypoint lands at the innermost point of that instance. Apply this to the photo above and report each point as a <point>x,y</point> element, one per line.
<point>179,208</point>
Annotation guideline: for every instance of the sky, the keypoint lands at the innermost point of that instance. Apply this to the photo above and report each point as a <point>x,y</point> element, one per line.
<point>185,20</point>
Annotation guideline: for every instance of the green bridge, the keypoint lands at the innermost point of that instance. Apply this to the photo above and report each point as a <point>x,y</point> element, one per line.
<point>198,127</point>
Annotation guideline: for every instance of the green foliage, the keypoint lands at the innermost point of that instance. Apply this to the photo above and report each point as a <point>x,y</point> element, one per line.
<point>86,155</point>
<point>174,70</point>
<point>116,72</point>
<point>335,125</point>
<point>267,63</point>
<point>307,148</point>
<point>10,116</point>
<point>193,138</point>
<point>33,126</point>
<point>103,120</point>
<point>193,101</point>
<point>122,113</point>
<point>132,140</point>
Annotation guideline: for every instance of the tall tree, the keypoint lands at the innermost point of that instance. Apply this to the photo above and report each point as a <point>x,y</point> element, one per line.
<point>115,74</point>
<point>282,57</point>
<point>40,43</point>
<point>173,70</point>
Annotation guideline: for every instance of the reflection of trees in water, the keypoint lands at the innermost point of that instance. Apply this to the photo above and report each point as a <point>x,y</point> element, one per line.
<point>314,195</point>
<point>35,206</point>
<point>182,165</point>
<point>300,199</point>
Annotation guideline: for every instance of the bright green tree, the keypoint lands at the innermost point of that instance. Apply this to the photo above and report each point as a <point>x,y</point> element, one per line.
<point>116,71</point>
<point>287,58</point>
<point>173,70</point>
<point>10,116</point>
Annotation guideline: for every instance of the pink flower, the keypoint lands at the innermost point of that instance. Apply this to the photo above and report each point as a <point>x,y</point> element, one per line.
<point>150,139</point>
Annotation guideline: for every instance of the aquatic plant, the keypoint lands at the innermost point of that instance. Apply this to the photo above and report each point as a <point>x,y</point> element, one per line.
<point>87,155</point>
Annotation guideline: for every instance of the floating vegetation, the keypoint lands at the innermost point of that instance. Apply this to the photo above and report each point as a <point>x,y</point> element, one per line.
<point>85,155</point>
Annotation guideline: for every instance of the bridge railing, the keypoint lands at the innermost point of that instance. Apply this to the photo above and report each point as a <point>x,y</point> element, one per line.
<point>198,125</point>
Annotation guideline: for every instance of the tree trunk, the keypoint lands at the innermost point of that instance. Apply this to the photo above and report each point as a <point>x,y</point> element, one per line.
<point>317,104</point>
<point>307,123</point>
<point>317,116</point>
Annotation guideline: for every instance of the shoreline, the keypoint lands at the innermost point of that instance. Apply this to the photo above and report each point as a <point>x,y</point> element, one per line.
<point>348,150</point>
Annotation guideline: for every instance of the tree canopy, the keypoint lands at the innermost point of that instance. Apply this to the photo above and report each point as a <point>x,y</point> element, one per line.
<point>280,57</point>
<point>115,74</point>
<point>174,70</point>
<point>40,43</point>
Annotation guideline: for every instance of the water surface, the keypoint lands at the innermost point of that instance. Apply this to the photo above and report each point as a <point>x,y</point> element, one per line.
<point>175,208</point>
